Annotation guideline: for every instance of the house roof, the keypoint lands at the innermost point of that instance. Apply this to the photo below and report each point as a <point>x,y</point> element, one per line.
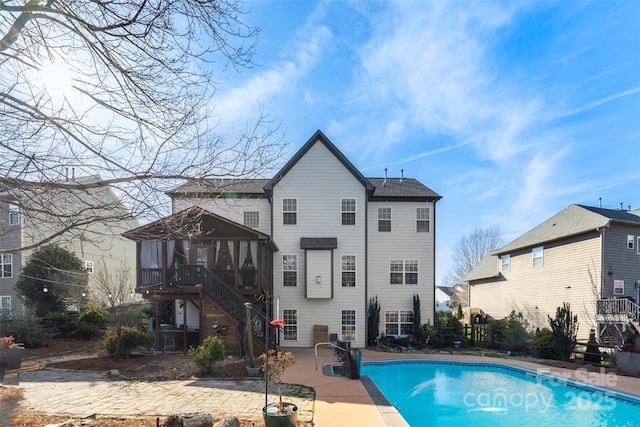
<point>320,137</point>
<point>571,221</point>
<point>447,290</point>
<point>487,268</point>
<point>401,188</point>
<point>238,187</point>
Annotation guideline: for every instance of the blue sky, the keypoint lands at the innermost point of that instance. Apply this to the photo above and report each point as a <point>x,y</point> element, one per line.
<point>511,111</point>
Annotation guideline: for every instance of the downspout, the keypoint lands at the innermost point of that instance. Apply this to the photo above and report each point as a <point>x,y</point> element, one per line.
<point>433,313</point>
<point>366,268</point>
<point>602,260</point>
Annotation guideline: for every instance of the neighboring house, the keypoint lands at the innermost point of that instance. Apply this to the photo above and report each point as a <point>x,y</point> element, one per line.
<point>586,256</point>
<point>23,224</point>
<point>449,297</point>
<point>319,239</point>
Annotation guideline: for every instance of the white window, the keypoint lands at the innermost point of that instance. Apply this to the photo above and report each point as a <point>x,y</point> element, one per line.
<point>290,328</point>
<point>422,220</point>
<point>398,322</point>
<point>348,271</point>
<point>251,219</point>
<point>348,325</point>
<point>289,211</point>
<point>638,245</point>
<point>5,305</point>
<point>289,270</point>
<point>6,265</point>
<point>618,287</point>
<point>384,219</point>
<point>537,255</point>
<point>14,215</point>
<point>88,266</point>
<point>630,239</point>
<point>506,262</point>
<point>403,272</point>
<point>348,210</point>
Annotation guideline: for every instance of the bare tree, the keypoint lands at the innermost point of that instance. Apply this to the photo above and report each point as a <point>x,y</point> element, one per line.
<point>470,249</point>
<point>124,91</point>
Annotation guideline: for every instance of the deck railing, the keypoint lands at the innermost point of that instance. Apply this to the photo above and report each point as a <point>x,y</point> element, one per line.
<point>619,307</point>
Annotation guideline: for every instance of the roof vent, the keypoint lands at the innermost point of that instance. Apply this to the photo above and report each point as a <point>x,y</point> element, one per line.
<point>401,175</point>
<point>385,177</point>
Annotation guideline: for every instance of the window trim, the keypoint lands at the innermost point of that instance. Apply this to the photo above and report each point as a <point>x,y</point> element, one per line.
<point>630,241</point>
<point>14,214</point>
<point>398,323</point>
<point>343,271</point>
<point>248,217</point>
<point>293,212</point>
<point>423,221</point>
<point>638,245</point>
<point>5,311</point>
<point>404,272</point>
<point>384,220</point>
<point>352,316</point>
<point>621,287</point>
<point>540,257</point>
<point>89,266</point>
<point>350,213</point>
<point>286,267</point>
<point>3,264</point>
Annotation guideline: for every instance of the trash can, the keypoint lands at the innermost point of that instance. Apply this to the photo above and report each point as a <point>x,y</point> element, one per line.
<point>355,358</point>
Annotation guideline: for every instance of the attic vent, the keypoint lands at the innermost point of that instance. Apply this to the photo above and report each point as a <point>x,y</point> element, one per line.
<point>401,175</point>
<point>385,177</point>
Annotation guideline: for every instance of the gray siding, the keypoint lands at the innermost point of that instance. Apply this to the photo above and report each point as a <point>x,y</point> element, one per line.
<point>619,262</point>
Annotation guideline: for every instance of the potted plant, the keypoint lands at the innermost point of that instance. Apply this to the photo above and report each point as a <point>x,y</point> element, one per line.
<point>279,414</point>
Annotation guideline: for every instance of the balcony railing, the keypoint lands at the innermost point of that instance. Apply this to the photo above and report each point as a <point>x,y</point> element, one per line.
<point>619,307</point>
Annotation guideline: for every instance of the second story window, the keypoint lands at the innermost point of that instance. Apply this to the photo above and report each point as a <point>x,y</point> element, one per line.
<point>348,211</point>
<point>88,266</point>
<point>348,271</point>
<point>630,241</point>
<point>422,220</point>
<point>6,265</point>
<point>403,272</point>
<point>14,215</point>
<point>537,254</point>
<point>506,262</point>
<point>289,270</point>
<point>289,211</point>
<point>251,219</point>
<point>384,219</point>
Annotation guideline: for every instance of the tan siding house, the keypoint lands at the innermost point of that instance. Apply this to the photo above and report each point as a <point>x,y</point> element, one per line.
<point>575,257</point>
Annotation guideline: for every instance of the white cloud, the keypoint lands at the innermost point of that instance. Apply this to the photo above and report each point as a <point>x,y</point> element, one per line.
<point>594,104</point>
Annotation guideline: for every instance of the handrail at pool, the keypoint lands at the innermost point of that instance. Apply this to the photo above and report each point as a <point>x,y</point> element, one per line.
<point>328,343</point>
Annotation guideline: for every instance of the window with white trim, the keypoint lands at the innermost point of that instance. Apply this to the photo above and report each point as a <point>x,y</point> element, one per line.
<point>88,266</point>
<point>506,262</point>
<point>6,265</point>
<point>348,325</point>
<point>422,220</point>
<point>384,219</point>
<point>618,287</point>
<point>290,328</point>
<point>348,211</point>
<point>5,305</point>
<point>537,256</point>
<point>348,271</point>
<point>289,211</point>
<point>638,245</point>
<point>398,322</point>
<point>251,219</point>
<point>14,214</point>
<point>630,239</point>
<point>289,270</point>
<point>403,272</point>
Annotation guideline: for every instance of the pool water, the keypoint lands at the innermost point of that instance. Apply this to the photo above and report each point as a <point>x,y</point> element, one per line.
<point>432,393</point>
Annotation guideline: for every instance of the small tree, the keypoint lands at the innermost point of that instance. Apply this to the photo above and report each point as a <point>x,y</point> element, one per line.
<point>592,354</point>
<point>206,354</point>
<point>373,320</point>
<point>275,364</point>
<point>565,331</point>
<point>417,327</point>
<point>52,279</point>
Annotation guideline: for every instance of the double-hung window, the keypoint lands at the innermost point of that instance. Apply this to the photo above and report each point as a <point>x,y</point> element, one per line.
<point>348,271</point>
<point>384,219</point>
<point>5,306</point>
<point>403,272</point>
<point>88,266</point>
<point>422,220</point>
<point>506,262</point>
<point>630,239</point>
<point>348,325</point>
<point>289,270</point>
<point>14,215</point>
<point>398,322</point>
<point>537,255</point>
<point>6,265</point>
<point>618,287</point>
<point>289,211</point>
<point>348,211</point>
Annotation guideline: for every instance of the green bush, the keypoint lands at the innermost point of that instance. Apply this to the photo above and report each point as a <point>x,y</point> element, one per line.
<point>543,339</point>
<point>513,335</point>
<point>94,314</point>
<point>130,338</point>
<point>210,351</point>
<point>28,332</point>
<point>592,354</point>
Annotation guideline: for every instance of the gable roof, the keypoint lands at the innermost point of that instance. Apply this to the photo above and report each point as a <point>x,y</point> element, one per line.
<point>571,221</point>
<point>447,290</point>
<point>401,188</point>
<point>246,187</point>
<point>487,268</point>
<point>318,137</point>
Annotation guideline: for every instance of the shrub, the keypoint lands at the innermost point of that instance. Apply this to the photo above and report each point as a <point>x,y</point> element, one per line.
<point>130,338</point>
<point>206,354</point>
<point>513,336</point>
<point>543,339</point>
<point>592,354</point>
<point>28,332</point>
<point>94,314</point>
<point>565,331</point>
<point>59,323</point>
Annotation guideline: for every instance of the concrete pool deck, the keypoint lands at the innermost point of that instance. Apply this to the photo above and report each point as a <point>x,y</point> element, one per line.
<point>339,401</point>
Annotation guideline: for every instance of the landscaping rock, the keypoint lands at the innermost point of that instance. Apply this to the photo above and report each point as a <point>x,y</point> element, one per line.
<point>228,421</point>
<point>196,419</point>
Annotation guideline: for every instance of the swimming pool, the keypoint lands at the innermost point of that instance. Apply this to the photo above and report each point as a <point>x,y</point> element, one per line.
<point>448,393</point>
